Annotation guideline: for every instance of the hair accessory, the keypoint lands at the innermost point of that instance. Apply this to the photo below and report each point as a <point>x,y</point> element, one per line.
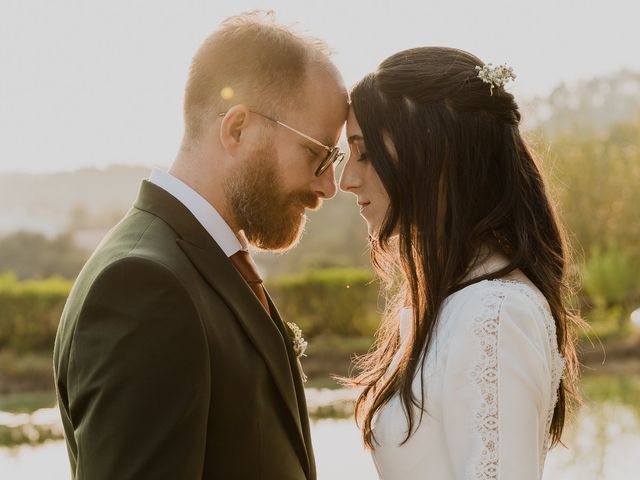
<point>495,76</point>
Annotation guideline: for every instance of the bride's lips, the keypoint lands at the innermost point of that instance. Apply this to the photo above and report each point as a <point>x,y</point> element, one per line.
<point>363,205</point>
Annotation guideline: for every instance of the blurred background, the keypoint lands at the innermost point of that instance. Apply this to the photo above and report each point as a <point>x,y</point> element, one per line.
<point>90,100</point>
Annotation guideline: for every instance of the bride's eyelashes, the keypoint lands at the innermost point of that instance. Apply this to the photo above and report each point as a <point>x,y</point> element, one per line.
<point>359,154</point>
<point>363,157</point>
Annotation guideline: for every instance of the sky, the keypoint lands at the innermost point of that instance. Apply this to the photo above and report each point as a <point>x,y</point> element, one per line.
<point>93,83</point>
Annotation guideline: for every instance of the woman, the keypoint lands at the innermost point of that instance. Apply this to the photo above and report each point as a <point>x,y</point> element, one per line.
<point>473,366</point>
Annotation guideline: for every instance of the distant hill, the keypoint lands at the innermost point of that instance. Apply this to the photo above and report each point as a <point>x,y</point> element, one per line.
<point>91,200</point>
<point>586,107</point>
<point>48,202</point>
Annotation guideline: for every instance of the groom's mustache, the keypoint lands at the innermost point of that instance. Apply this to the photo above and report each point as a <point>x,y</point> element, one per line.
<point>308,200</point>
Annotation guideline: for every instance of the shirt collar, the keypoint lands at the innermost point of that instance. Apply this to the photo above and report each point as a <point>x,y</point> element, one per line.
<point>202,210</point>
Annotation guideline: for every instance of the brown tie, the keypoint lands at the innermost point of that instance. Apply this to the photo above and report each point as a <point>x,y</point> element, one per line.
<point>247,268</point>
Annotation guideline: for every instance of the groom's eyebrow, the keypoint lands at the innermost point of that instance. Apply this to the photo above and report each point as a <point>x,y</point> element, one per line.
<point>354,138</point>
<point>324,140</point>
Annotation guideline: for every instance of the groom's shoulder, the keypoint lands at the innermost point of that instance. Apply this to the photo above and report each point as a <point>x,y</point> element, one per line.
<point>139,229</point>
<point>140,233</point>
<point>140,240</point>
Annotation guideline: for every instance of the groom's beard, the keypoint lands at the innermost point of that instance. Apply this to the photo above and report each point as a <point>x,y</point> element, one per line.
<point>271,218</point>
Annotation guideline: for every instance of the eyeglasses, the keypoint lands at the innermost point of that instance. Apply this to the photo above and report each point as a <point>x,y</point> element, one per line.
<point>334,155</point>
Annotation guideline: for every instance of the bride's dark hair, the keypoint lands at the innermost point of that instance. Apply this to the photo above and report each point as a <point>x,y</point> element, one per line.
<point>459,176</point>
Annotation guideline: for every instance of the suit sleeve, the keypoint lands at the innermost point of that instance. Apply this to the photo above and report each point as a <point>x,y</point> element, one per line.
<point>139,377</point>
<point>497,386</point>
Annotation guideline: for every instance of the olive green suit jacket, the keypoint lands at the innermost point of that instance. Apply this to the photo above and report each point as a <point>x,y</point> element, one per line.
<point>168,367</point>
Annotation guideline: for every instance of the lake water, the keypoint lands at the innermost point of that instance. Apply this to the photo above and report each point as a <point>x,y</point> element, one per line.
<point>602,441</point>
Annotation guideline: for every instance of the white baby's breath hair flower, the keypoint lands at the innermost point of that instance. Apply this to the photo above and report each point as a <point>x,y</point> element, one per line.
<point>495,76</point>
<point>299,346</point>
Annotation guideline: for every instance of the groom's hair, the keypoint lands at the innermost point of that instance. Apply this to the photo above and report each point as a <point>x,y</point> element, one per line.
<point>253,60</point>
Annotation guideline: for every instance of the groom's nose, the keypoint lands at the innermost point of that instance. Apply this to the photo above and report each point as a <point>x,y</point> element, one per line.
<point>325,184</point>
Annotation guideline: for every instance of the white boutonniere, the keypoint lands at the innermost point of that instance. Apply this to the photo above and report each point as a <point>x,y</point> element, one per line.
<point>299,345</point>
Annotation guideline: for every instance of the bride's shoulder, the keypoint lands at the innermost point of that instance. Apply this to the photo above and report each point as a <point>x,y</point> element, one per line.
<point>492,302</point>
<point>499,292</point>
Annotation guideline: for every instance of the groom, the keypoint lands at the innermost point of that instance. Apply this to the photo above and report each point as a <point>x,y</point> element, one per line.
<point>171,361</point>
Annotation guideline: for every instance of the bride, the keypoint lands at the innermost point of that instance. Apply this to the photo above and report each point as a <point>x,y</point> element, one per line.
<point>473,366</point>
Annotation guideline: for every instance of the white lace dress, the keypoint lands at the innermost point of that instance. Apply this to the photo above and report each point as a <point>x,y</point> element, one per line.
<point>490,386</point>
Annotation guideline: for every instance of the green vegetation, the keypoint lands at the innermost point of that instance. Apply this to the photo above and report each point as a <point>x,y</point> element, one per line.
<point>612,388</point>
<point>27,402</point>
<point>337,307</point>
<point>30,311</point>
<point>332,301</point>
<point>596,181</point>
<point>589,150</point>
<point>29,315</point>
<point>33,255</point>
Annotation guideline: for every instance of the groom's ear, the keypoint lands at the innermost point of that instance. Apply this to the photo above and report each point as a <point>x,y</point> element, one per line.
<point>234,128</point>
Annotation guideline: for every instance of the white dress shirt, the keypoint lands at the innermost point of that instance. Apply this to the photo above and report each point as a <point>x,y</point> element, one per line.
<point>204,212</point>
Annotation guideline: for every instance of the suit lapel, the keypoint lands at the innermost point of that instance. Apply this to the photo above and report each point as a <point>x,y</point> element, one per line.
<point>299,386</point>
<point>263,332</point>
<point>266,334</point>
<point>224,278</point>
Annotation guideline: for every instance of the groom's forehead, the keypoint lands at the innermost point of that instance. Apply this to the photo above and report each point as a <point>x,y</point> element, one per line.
<point>319,123</point>
<point>324,100</point>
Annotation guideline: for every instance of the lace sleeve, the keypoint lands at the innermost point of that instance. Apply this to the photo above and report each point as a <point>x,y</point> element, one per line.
<point>498,387</point>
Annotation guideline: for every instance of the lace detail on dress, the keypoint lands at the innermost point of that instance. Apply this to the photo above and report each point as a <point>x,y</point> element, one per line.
<point>485,376</point>
<point>557,361</point>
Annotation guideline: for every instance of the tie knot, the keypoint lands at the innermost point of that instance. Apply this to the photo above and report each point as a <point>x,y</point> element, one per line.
<point>246,266</point>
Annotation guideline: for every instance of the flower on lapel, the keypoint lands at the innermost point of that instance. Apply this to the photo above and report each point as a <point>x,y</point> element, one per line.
<point>299,345</point>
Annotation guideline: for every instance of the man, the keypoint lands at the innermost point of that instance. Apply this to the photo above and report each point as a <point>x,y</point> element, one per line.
<point>171,361</point>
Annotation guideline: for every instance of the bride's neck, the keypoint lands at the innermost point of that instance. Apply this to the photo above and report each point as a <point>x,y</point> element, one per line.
<point>489,259</point>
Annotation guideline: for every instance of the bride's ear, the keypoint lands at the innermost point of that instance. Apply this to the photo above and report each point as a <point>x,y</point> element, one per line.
<point>234,127</point>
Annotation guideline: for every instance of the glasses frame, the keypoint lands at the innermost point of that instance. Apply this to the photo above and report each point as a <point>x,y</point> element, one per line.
<point>334,155</point>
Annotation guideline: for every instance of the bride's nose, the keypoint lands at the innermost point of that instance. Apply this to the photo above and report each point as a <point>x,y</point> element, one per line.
<point>350,178</point>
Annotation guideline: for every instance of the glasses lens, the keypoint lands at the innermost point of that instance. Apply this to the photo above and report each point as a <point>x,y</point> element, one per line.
<point>335,156</point>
